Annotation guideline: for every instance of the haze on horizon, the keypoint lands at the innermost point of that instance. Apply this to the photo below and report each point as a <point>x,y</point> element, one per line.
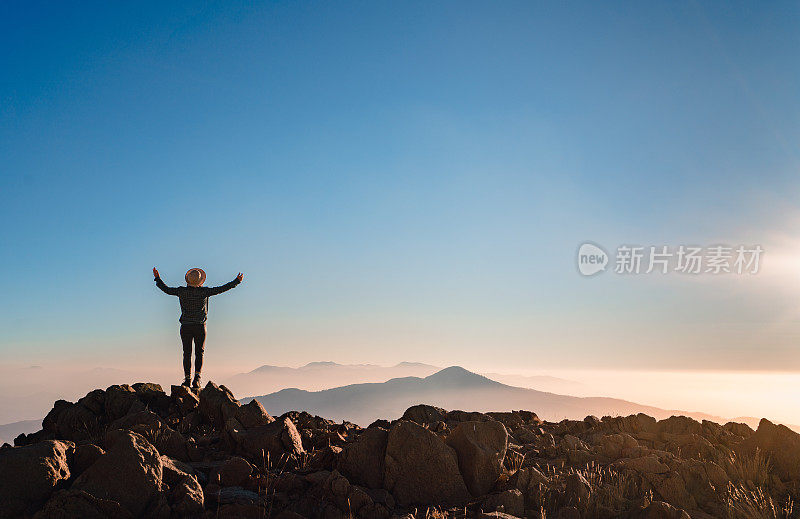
<point>393,191</point>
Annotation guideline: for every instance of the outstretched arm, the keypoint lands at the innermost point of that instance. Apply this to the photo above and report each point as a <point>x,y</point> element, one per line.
<point>212,291</point>
<point>164,288</point>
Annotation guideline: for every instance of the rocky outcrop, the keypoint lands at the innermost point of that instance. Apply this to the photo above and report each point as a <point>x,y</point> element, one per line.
<point>133,451</point>
<point>129,473</point>
<point>28,475</point>
<point>481,449</point>
<point>420,469</point>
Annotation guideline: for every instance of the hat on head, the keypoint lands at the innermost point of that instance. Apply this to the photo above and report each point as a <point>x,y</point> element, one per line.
<point>195,276</point>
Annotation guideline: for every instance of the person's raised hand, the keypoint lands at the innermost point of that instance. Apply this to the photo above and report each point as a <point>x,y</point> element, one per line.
<point>155,272</point>
<point>239,277</point>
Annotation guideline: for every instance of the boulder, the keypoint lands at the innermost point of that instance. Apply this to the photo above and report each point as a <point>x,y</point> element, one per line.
<point>481,448</point>
<point>120,400</point>
<point>217,404</point>
<point>173,471</point>
<point>68,504</point>
<point>363,461</point>
<point>780,444</point>
<point>187,497</point>
<point>234,472</point>
<point>660,510</point>
<point>271,441</point>
<point>510,502</point>
<point>645,464</point>
<point>253,414</point>
<point>129,473</point>
<point>85,456</point>
<point>184,398</point>
<point>420,469</point>
<point>577,491</point>
<point>424,414</point>
<point>30,474</point>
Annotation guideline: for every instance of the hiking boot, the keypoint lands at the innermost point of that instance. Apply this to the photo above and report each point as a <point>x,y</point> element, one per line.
<point>196,381</point>
<point>186,381</point>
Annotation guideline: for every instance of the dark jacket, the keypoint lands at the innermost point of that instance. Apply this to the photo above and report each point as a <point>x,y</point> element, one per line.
<point>194,300</point>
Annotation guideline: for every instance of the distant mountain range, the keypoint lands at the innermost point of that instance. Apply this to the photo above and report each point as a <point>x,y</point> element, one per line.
<point>450,388</point>
<point>11,430</point>
<point>316,376</point>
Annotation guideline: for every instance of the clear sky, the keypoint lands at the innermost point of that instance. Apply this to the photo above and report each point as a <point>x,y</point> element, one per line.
<point>398,181</point>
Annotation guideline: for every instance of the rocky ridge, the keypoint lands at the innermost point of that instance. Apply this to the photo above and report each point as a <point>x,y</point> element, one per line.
<point>136,451</point>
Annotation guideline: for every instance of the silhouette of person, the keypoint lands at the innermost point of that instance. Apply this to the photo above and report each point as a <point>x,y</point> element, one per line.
<point>194,312</point>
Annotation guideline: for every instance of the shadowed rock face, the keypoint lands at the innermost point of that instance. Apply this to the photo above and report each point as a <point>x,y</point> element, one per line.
<point>133,451</point>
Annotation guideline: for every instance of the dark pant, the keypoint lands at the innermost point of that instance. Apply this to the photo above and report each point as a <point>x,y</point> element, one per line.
<point>196,332</point>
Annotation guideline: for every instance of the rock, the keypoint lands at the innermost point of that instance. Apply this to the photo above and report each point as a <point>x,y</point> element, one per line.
<point>424,414</point>
<point>30,474</point>
<point>780,444</point>
<point>672,489</point>
<point>577,491</point>
<point>421,469</point>
<point>680,425</point>
<point>274,441</point>
<point>253,414</point>
<point>217,404</point>
<point>231,495</point>
<point>363,461</point>
<point>187,497</point>
<point>130,473</point>
<point>646,464</point>
<point>85,456</point>
<point>481,448</point>
<point>234,472</point>
<point>509,502</point>
<point>173,471</point>
<point>326,458</point>
<point>184,398</point>
<point>660,510</point>
<point>68,504</point>
<point>121,400</point>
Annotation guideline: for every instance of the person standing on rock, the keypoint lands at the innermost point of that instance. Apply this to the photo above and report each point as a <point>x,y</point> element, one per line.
<point>194,311</point>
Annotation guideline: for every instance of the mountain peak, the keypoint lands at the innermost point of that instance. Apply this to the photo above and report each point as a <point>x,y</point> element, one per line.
<point>460,376</point>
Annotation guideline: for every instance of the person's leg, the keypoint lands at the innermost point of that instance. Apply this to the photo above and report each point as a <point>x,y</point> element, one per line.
<point>186,339</point>
<point>199,345</point>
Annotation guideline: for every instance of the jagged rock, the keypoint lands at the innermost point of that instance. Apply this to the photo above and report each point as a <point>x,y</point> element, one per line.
<point>510,502</point>
<point>646,465</point>
<point>234,472</point>
<point>217,404</point>
<point>660,510</point>
<point>173,471</point>
<point>28,475</point>
<point>739,429</point>
<point>231,495</point>
<point>363,461</point>
<point>481,448</point>
<point>424,414</point>
<point>253,414</point>
<point>421,469</point>
<point>84,457</point>
<point>578,491</point>
<point>187,497</point>
<point>129,473</point>
<point>185,398</point>
<point>69,504</point>
<point>780,444</point>
<point>121,400</point>
<point>325,458</point>
<point>165,439</point>
<point>273,440</point>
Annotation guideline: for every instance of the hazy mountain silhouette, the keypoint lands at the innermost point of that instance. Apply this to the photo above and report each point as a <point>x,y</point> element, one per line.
<point>450,388</point>
<point>10,431</point>
<point>316,376</point>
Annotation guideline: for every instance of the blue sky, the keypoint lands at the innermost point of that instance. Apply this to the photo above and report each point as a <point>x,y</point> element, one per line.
<point>397,181</point>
